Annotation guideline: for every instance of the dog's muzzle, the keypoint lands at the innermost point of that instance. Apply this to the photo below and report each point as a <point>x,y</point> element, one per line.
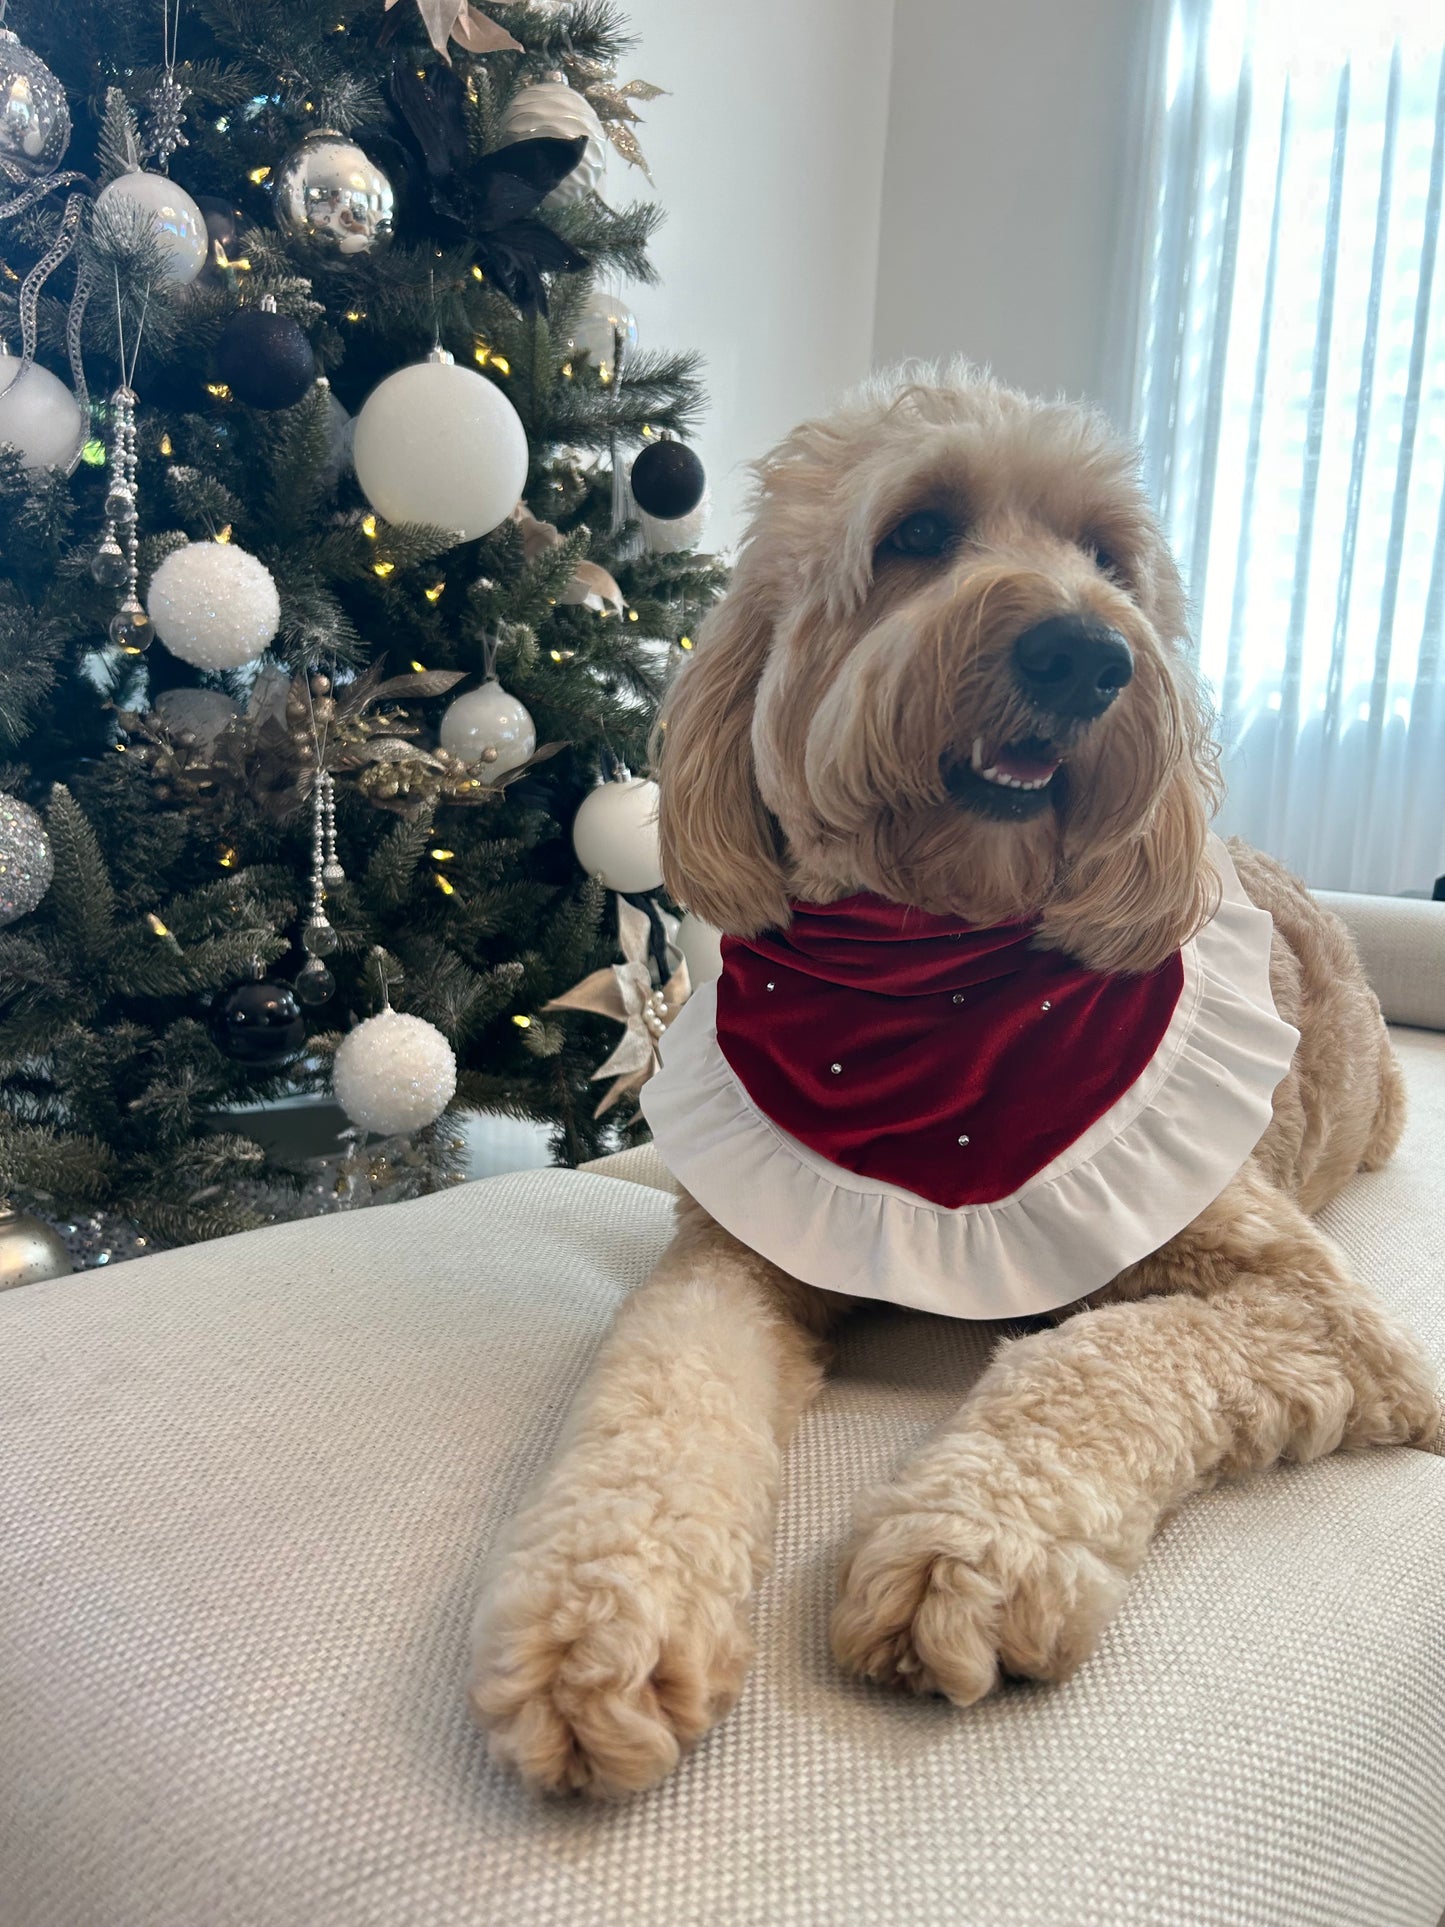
<point>1072,666</point>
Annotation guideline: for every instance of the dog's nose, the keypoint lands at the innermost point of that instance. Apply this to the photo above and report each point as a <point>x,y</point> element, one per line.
<point>1072,666</point>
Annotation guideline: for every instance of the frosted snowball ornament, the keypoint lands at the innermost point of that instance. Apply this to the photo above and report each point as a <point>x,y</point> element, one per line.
<point>440,445</point>
<point>175,220</point>
<point>214,605</point>
<point>615,834</point>
<point>26,862</point>
<point>394,1073</point>
<point>701,948</point>
<point>552,110</point>
<point>490,728</point>
<point>39,416</point>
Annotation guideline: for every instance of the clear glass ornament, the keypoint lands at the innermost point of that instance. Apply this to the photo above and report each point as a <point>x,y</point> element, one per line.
<point>119,503</point>
<point>34,113</point>
<point>108,564</point>
<point>314,982</point>
<point>319,938</point>
<point>131,630</point>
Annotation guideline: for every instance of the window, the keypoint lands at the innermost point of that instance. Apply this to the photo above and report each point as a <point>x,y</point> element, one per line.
<point>1292,409</point>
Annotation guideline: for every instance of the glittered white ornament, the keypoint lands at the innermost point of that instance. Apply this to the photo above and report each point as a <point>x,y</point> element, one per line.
<point>176,221</point>
<point>489,719</point>
<point>26,863</point>
<point>682,532</point>
<point>615,835</point>
<point>214,605</point>
<point>394,1073</point>
<point>202,713</point>
<point>701,948</point>
<point>552,110</point>
<point>441,445</point>
<point>39,417</point>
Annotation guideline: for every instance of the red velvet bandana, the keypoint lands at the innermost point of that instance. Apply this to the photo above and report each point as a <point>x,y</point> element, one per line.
<point>918,1051</point>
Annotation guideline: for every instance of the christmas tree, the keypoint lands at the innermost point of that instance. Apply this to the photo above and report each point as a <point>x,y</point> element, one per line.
<point>299,701</point>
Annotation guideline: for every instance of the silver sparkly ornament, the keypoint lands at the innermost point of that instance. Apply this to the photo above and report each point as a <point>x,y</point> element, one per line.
<point>329,192</point>
<point>34,113</point>
<point>26,864</point>
<point>30,1251</point>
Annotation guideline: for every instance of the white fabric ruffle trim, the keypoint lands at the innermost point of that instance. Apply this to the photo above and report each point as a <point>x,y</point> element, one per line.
<point>1143,1171</point>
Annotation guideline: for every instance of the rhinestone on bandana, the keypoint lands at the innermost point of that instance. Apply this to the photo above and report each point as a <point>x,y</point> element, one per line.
<point>958,997</point>
<point>836,1069</point>
<point>1046,1005</point>
<point>963,1140</point>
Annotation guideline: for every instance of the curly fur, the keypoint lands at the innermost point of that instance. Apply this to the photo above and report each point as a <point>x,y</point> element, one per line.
<point>805,752</point>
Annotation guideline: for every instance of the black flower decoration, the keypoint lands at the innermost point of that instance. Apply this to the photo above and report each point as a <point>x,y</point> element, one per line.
<point>491,203</point>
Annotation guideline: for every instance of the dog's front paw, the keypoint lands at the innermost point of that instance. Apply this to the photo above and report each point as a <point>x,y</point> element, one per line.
<point>593,1668</point>
<point>944,1600</point>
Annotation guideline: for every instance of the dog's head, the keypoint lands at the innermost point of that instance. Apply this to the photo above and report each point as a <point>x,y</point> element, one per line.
<point>949,671</point>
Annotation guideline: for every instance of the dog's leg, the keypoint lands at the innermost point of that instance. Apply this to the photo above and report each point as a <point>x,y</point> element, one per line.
<point>1007,1543</point>
<point>613,1625</point>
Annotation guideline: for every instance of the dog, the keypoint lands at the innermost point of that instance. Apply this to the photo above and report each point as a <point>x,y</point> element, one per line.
<point>950,683</point>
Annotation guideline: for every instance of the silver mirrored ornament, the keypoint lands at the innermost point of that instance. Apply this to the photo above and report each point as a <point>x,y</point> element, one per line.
<point>331,193</point>
<point>34,113</point>
<point>30,1251</point>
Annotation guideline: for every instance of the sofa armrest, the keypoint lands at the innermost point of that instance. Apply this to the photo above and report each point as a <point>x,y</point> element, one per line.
<point>640,1164</point>
<point>1401,941</point>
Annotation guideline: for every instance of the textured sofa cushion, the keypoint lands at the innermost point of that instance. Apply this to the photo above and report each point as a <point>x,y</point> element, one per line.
<point>245,1492</point>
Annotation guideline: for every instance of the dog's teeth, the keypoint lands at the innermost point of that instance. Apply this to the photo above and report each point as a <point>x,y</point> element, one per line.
<point>977,758</point>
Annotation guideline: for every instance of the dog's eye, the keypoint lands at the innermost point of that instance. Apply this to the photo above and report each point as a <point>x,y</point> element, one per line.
<point>1107,562</point>
<point>926,532</point>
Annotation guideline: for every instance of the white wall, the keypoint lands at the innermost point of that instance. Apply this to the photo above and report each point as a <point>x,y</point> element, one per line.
<point>1009,187</point>
<point>768,156</point>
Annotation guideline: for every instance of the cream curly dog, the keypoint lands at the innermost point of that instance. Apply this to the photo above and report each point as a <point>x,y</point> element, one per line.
<point>825,740</point>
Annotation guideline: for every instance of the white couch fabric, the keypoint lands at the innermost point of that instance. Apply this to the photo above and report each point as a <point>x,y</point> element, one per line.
<point>245,1492</point>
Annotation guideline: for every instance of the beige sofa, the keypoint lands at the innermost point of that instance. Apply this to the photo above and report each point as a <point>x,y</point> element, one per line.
<point>245,1490</point>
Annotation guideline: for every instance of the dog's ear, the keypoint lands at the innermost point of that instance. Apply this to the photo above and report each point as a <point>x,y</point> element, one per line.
<point>721,850</point>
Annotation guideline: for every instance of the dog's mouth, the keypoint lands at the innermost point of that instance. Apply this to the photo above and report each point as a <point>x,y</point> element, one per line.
<point>1010,782</point>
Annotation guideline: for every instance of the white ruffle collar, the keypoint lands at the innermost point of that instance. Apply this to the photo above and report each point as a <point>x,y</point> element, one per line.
<point>1144,1170</point>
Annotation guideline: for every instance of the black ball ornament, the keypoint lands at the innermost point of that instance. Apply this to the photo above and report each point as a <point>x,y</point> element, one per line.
<point>668,480</point>
<point>264,358</point>
<point>258,1023</point>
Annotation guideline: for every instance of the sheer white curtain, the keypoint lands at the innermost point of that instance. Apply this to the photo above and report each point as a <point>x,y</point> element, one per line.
<point>1291,404</point>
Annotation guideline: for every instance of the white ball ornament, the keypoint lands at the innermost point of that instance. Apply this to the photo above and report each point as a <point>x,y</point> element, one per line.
<point>441,445</point>
<point>615,835</point>
<point>175,220</point>
<point>394,1073</point>
<point>606,331</point>
<point>39,416</point>
<point>489,727</point>
<point>214,605</point>
<point>554,111</point>
<point>701,948</point>
<point>661,537</point>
